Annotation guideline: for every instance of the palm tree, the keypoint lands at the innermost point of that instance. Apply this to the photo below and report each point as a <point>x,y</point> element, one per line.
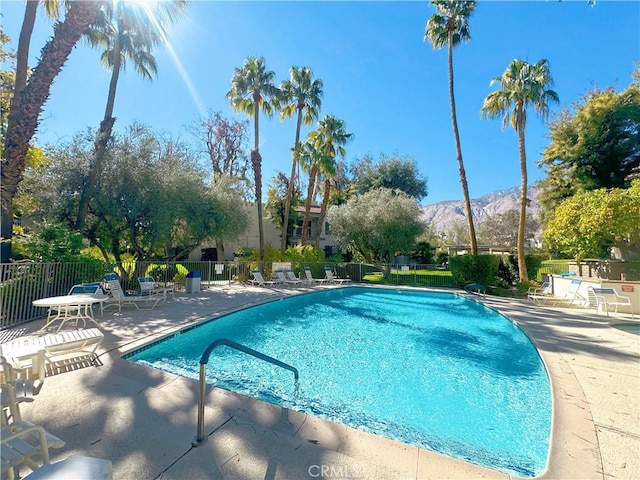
<point>522,85</point>
<point>252,90</point>
<point>24,40</point>
<point>450,26</point>
<point>128,31</point>
<point>310,159</point>
<point>23,119</point>
<point>329,138</point>
<point>301,94</point>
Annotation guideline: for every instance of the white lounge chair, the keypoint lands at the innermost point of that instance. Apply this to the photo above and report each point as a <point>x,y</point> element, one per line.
<point>119,298</point>
<point>603,298</point>
<point>291,277</point>
<point>53,348</point>
<point>259,280</point>
<point>542,293</point>
<point>23,443</point>
<point>333,279</point>
<point>283,279</point>
<point>26,444</point>
<point>311,279</point>
<point>567,299</point>
<point>148,286</point>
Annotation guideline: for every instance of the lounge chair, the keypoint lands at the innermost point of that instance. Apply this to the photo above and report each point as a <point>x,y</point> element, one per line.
<point>26,444</point>
<point>119,298</point>
<point>311,279</point>
<point>88,288</point>
<point>148,286</point>
<point>54,347</point>
<point>23,443</point>
<point>259,280</point>
<point>541,293</point>
<point>332,279</point>
<point>287,281</point>
<point>567,299</point>
<point>476,288</point>
<point>603,298</point>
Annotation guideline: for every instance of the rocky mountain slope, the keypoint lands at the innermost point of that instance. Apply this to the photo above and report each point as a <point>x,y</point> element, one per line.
<point>444,215</point>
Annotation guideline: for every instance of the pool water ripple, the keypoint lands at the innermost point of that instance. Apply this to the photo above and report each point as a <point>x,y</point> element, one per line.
<point>429,369</point>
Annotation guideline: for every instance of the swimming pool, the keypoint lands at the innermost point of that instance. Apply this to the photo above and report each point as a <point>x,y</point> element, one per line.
<point>627,327</point>
<point>433,370</point>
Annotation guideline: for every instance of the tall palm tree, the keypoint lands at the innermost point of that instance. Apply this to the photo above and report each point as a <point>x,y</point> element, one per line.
<point>23,119</point>
<point>521,85</point>
<point>301,94</point>
<point>310,159</point>
<point>24,40</point>
<point>252,90</point>
<point>450,26</point>
<point>329,138</point>
<point>128,31</point>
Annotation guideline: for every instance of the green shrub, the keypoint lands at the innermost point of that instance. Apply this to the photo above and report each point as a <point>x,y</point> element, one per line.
<point>474,269</point>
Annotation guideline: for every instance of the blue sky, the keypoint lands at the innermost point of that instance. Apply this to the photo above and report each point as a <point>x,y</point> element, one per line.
<point>380,77</point>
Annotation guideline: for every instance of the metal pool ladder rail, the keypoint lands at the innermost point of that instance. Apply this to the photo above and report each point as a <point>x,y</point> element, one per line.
<point>199,438</point>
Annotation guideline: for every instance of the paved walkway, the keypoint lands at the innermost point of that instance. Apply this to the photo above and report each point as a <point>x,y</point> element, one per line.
<point>144,420</point>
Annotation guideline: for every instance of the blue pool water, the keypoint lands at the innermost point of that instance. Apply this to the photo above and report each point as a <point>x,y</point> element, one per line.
<point>429,369</point>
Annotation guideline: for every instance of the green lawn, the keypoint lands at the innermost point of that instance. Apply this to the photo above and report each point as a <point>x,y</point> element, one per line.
<point>440,278</point>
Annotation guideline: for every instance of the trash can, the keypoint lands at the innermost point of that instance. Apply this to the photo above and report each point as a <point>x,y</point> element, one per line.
<point>192,282</point>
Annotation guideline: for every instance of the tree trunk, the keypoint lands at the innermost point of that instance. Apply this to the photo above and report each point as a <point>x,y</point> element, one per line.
<point>289,199</point>
<point>23,120</point>
<point>220,250</point>
<point>256,162</point>
<point>463,175</point>
<point>102,139</point>
<point>307,204</point>
<point>22,55</point>
<point>522,264</point>
<point>323,209</point>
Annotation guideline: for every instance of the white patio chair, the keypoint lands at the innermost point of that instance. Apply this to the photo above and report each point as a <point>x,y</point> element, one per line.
<point>148,286</point>
<point>311,279</point>
<point>333,279</point>
<point>259,280</point>
<point>603,298</point>
<point>283,279</point>
<point>119,298</point>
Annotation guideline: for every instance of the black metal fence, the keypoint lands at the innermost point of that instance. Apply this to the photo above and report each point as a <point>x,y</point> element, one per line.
<point>22,283</point>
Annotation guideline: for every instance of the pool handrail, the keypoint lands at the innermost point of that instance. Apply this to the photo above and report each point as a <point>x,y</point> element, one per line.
<point>199,438</point>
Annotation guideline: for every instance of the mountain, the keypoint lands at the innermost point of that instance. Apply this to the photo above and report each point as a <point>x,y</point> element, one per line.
<point>444,215</point>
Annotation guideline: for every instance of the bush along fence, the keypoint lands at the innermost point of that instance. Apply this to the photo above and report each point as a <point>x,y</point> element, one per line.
<point>23,282</point>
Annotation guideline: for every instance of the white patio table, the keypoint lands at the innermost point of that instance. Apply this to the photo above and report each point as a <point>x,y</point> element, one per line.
<point>67,308</point>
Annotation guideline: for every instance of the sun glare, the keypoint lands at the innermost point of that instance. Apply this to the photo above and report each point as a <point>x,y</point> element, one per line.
<point>150,9</point>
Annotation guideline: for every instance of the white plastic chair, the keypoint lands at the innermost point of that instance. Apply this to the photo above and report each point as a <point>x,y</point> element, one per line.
<point>311,279</point>
<point>119,298</point>
<point>259,280</point>
<point>333,279</point>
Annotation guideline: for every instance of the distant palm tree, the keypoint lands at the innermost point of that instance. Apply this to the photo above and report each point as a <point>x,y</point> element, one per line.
<point>22,121</point>
<point>301,94</point>
<point>310,160</point>
<point>450,26</point>
<point>329,138</point>
<point>522,85</point>
<point>127,31</point>
<point>252,90</point>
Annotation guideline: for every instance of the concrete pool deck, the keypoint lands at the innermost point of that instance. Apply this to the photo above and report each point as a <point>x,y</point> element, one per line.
<point>144,420</point>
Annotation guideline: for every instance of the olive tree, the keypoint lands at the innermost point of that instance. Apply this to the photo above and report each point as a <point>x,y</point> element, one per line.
<point>152,196</point>
<point>588,223</point>
<point>377,225</point>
